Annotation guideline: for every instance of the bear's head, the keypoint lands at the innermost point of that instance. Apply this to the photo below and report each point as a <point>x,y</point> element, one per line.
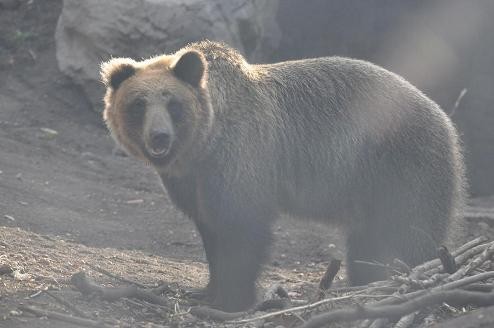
<point>158,109</point>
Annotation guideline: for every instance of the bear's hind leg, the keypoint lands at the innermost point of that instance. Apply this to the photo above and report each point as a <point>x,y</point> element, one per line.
<point>363,245</point>
<point>404,231</point>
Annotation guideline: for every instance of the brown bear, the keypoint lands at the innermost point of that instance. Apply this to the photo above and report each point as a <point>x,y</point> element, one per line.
<point>333,138</point>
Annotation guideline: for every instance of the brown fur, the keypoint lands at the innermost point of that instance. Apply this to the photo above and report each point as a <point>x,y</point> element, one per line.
<point>328,138</point>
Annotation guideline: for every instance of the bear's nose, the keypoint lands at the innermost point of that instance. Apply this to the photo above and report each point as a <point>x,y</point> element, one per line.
<point>159,143</point>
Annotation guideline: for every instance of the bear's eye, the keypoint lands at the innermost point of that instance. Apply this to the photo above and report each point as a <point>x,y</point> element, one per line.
<point>175,109</point>
<point>135,112</point>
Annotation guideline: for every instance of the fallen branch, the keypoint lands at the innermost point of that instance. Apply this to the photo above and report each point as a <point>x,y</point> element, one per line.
<point>331,272</point>
<point>449,286</point>
<point>467,280</point>
<point>208,313</point>
<point>472,243</point>
<point>114,276</point>
<point>456,253</point>
<point>474,264</point>
<point>401,266</point>
<point>447,260</point>
<point>305,307</point>
<point>464,257</point>
<point>205,312</point>
<point>428,274</point>
<point>454,297</point>
<point>480,287</point>
<point>62,317</point>
<point>86,286</point>
<point>368,288</point>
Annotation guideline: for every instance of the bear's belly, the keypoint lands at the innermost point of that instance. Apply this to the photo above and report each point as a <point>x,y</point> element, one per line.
<point>315,200</point>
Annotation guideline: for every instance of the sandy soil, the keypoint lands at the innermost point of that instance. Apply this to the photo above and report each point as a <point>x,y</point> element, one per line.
<point>68,201</point>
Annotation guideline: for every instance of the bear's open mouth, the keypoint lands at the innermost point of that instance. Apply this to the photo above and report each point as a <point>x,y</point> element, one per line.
<point>161,158</point>
<point>159,145</point>
<point>158,153</point>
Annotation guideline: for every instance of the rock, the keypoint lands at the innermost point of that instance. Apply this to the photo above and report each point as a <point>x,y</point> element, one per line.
<point>21,276</point>
<point>91,31</point>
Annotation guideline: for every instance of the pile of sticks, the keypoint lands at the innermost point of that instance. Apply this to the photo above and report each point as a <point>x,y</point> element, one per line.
<point>461,278</point>
<point>412,297</point>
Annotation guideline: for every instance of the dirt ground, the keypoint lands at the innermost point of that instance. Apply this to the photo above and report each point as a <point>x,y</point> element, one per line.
<point>67,201</point>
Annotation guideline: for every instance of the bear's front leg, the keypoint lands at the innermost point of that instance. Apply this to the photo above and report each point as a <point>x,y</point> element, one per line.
<point>241,226</point>
<point>240,253</point>
<point>208,237</point>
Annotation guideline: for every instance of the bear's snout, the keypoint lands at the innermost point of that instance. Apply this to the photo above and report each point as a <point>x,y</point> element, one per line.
<point>159,143</point>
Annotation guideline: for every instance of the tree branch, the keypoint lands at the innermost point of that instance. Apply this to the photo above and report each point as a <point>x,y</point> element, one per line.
<point>453,297</point>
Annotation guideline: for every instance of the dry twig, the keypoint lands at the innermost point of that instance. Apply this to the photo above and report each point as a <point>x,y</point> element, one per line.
<point>475,263</point>
<point>86,286</point>
<point>305,307</point>
<point>206,312</point>
<point>460,251</point>
<point>114,276</point>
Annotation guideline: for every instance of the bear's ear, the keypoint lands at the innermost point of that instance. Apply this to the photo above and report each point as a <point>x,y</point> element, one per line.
<point>117,70</point>
<point>191,67</point>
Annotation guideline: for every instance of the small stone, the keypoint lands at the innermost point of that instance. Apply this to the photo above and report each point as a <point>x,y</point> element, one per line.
<point>49,133</point>
<point>9,217</point>
<point>135,201</point>
<point>21,276</point>
<point>5,269</point>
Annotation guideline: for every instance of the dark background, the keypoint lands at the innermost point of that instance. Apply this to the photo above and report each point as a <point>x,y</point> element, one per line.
<point>441,46</point>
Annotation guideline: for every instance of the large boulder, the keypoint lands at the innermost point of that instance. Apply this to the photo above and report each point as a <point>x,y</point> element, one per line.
<point>92,31</point>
